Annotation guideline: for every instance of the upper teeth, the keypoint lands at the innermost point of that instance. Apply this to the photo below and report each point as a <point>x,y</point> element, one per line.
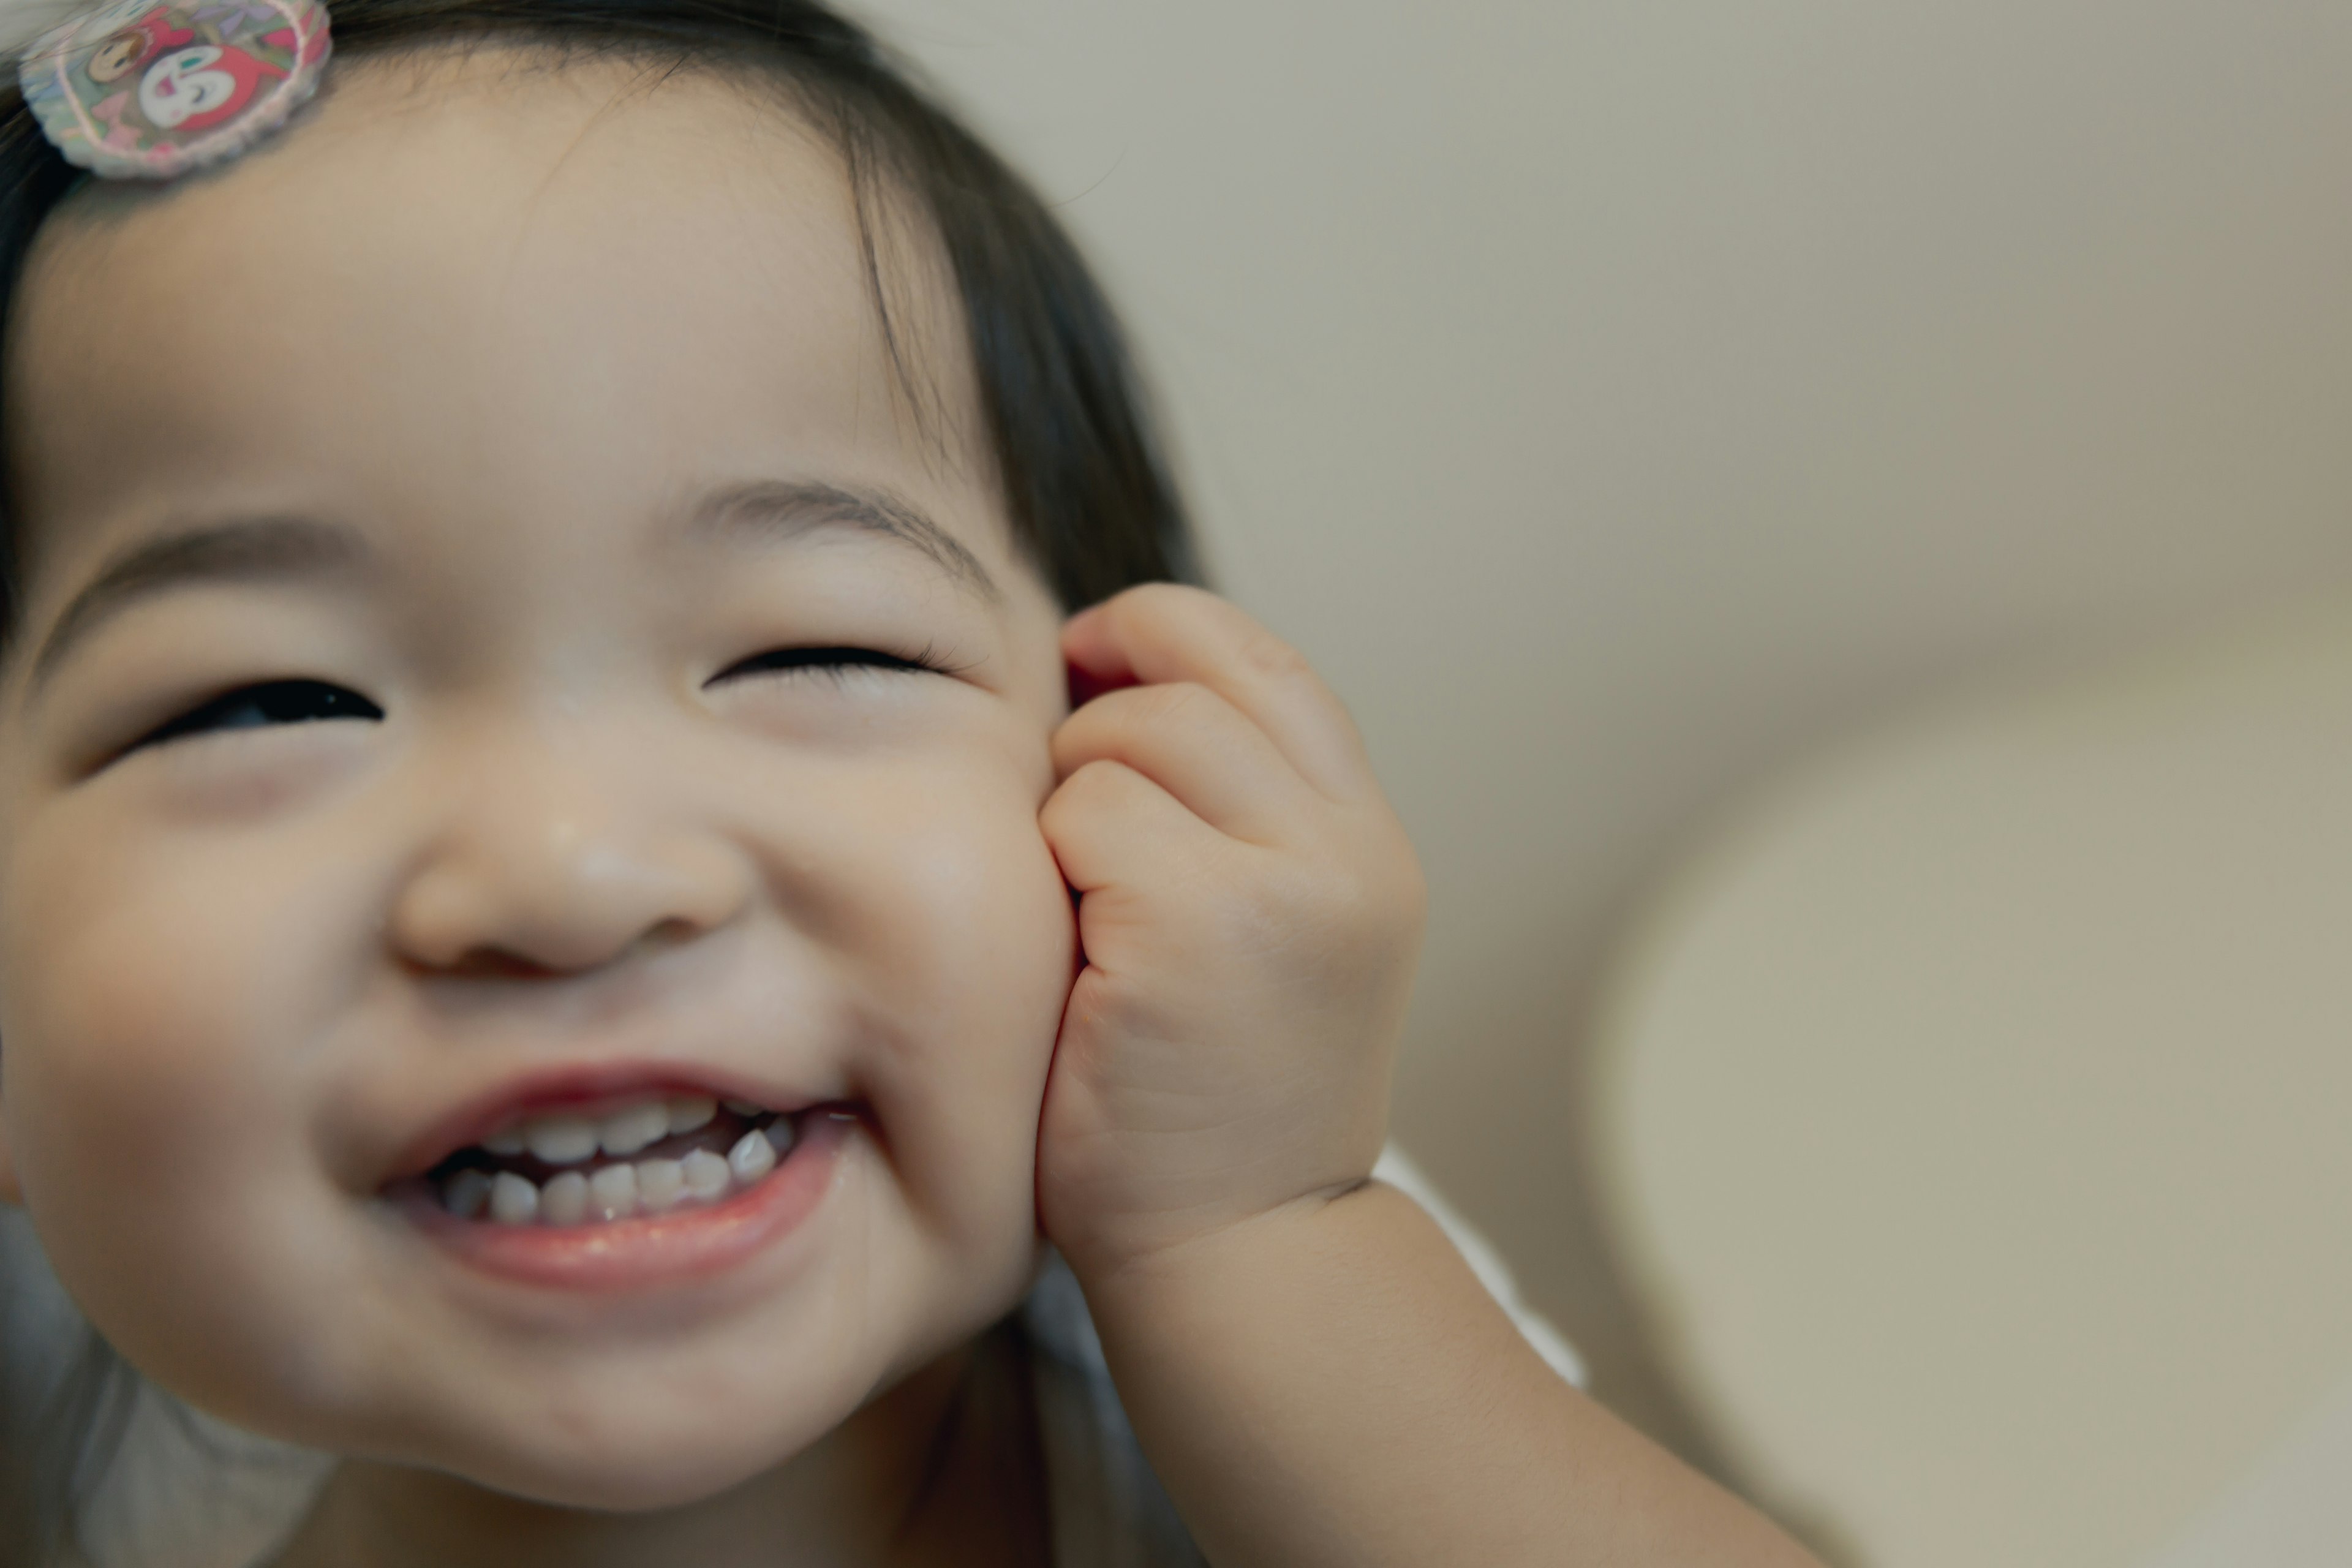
<point>617,1188</point>
<point>566,1138</point>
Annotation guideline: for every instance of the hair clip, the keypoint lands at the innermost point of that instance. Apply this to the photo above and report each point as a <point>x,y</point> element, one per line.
<point>138,90</point>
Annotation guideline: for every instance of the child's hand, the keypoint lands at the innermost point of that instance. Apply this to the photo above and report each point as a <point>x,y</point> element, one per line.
<point>1318,1384</point>
<point>1250,911</point>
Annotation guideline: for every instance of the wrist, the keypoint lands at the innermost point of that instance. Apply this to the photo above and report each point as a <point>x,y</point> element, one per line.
<point>1220,1267</point>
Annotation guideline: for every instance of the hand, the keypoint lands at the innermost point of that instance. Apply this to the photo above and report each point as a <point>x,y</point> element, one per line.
<point>1249,911</point>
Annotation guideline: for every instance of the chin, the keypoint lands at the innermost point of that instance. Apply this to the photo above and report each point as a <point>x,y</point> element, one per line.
<point>631,1474</point>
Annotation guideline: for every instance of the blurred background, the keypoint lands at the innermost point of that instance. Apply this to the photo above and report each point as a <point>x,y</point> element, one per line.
<point>1835,520</point>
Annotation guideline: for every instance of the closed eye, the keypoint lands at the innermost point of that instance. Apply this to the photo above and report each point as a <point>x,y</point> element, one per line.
<point>832,663</point>
<point>260,706</point>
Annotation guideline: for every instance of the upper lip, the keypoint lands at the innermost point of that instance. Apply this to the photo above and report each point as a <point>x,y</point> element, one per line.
<point>559,1088</point>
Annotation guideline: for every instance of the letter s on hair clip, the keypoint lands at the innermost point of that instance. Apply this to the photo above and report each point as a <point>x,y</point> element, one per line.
<point>139,90</point>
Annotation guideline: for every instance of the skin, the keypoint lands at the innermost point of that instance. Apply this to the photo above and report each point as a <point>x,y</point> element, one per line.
<point>238,969</point>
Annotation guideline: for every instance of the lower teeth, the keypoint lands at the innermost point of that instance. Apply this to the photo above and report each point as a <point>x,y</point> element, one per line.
<point>620,1189</point>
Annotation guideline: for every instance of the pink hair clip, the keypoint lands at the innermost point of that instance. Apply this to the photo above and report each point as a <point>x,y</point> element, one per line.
<point>150,89</point>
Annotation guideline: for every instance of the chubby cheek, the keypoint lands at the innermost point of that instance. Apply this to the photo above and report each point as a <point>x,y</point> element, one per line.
<point>972,946</point>
<point>156,1083</point>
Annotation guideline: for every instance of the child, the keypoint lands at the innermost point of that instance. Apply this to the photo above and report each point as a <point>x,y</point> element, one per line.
<point>559,937</point>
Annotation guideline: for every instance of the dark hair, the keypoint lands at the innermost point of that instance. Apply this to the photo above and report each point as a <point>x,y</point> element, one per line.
<point>1064,418</point>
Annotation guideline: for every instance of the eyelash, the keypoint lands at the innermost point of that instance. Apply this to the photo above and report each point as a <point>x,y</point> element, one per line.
<point>833,663</point>
<point>272,703</point>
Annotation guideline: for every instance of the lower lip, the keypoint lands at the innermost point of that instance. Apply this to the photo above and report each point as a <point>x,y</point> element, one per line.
<point>656,1250</point>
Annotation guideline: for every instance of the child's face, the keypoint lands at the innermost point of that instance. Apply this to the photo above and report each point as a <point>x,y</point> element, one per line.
<point>500,408</point>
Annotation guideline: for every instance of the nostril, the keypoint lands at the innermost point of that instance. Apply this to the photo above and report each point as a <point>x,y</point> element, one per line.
<point>674,932</point>
<point>497,964</point>
<point>503,963</point>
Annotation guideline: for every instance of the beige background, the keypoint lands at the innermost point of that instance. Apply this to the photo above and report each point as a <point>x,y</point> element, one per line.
<point>1620,400</point>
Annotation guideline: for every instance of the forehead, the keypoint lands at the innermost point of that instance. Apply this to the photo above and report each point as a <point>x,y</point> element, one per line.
<point>489,284</point>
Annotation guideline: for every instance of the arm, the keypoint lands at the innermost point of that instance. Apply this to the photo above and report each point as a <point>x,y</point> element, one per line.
<point>1312,1368</point>
<point>1331,1385</point>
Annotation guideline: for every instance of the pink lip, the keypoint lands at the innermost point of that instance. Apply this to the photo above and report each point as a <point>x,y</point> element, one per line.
<point>642,1254</point>
<point>584,1090</point>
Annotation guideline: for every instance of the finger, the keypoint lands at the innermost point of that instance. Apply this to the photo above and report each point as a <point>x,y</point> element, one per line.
<point>1197,747</point>
<point>1165,632</point>
<point>1109,826</point>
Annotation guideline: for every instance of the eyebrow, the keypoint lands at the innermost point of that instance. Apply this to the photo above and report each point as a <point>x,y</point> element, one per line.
<point>245,549</point>
<point>294,549</point>
<point>774,511</point>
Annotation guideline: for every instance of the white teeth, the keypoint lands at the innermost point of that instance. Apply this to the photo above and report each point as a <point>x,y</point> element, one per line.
<point>751,1158</point>
<point>564,1199</point>
<point>613,1191</point>
<point>626,1132</point>
<point>513,1201</point>
<point>559,1140</point>
<point>705,1173</point>
<point>467,1195</point>
<point>616,1190</point>
<point>660,1183</point>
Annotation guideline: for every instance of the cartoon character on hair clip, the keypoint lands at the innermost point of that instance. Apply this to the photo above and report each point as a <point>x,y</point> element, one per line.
<point>197,89</point>
<point>135,45</point>
<point>137,90</point>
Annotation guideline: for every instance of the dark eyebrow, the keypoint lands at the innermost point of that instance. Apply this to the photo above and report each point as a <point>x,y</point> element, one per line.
<point>776,511</point>
<point>249,550</point>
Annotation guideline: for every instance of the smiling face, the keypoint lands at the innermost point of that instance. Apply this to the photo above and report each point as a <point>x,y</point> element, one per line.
<point>497,661</point>
<point>184,85</point>
<point>114,58</point>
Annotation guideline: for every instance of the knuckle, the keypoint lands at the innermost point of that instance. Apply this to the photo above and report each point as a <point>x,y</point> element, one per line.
<point>1160,593</point>
<point>1054,818</point>
<point>1270,656</point>
<point>1285,899</point>
<point>1171,702</point>
<point>1121,721</point>
<point>1412,896</point>
<point>1402,874</point>
<point>1153,600</point>
<point>1370,895</point>
<point>1098,782</point>
<point>1078,739</point>
<point>1086,791</point>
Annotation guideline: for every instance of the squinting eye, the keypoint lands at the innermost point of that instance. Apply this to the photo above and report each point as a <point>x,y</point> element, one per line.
<point>831,662</point>
<point>257,707</point>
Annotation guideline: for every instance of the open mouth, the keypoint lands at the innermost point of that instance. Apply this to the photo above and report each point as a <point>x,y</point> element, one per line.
<point>648,1155</point>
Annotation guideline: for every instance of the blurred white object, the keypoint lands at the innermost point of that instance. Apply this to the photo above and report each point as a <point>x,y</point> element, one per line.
<point>1485,1262</point>
<point>1977,1111</point>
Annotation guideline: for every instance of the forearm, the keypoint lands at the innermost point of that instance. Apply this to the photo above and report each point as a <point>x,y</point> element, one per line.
<point>1330,1384</point>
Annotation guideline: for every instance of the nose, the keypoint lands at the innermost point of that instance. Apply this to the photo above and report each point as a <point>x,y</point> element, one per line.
<point>543,862</point>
